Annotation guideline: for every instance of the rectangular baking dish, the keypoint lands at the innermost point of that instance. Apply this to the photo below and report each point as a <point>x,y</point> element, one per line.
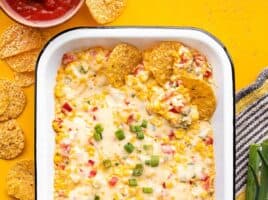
<point>81,38</point>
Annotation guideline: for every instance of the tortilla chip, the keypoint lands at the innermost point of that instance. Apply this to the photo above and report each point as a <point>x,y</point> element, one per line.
<point>11,140</point>
<point>17,100</point>
<point>18,39</point>
<point>20,180</point>
<point>160,60</point>
<point>122,61</point>
<point>106,11</point>
<point>202,95</point>
<point>3,99</point>
<point>24,79</point>
<point>24,62</point>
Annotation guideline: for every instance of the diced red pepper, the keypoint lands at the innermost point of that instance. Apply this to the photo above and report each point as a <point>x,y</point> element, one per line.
<point>92,173</point>
<point>207,74</point>
<point>66,107</point>
<point>68,58</point>
<point>183,59</point>
<point>206,181</point>
<point>126,102</point>
<point>205,178</point>
<point>130,119</point>
<point>171,135</point>
<point>113,181</point>
<point>164,185</point>
<point>94,109</point>
<point>176,109</point>
<point>91,162</point>
<point>65,147</point>
<point>209,141</point>
<point>138,68</point>
<point>61,166</point>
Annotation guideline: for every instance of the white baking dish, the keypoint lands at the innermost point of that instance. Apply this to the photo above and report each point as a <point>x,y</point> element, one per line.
<point>80,38</point>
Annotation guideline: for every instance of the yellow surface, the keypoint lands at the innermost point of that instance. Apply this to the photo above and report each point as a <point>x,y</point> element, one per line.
<point>240,25</point>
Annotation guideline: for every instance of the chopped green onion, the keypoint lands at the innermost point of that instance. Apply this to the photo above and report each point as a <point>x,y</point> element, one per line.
<point>129,147</point>
<point>96,197</point>
<point>138,170</point>
<point>98,132</point>
<point>135,128</point>
<point>98,128</point>
<point>132,182</point>
<point>140,135</point>
<point>82,70</point>
<point>144,123</point>
<point>120,135</point>
<point>148,147</point>
<point>97,136</point>
<point>148,162</point>
<point>147,190</point>
<point>153,162</point>
<point>107,163</point>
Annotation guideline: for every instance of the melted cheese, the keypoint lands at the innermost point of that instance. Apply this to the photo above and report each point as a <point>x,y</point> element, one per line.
<point>186,163</point>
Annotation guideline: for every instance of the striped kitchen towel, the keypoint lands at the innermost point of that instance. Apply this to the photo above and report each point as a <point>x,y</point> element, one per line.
<point>251,125</point>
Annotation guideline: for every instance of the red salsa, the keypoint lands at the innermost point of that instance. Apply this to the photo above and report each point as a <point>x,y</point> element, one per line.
<point>38,10</point>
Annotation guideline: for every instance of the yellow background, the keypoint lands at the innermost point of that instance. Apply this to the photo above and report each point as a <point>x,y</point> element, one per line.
<point>240,25</point>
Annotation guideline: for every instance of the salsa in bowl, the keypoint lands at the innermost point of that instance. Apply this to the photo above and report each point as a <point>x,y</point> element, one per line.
<point>41,13</point>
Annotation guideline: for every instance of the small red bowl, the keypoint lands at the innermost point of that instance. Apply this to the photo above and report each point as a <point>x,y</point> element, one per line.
<point>39,24</point>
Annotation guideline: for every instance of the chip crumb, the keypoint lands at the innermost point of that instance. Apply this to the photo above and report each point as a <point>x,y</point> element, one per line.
<point>160,60</point>
<point>121,62</point>
<point>24,79</point>
<point>17,100</point>
<point>11,140</point>
<point>202,95</point>
<point>17,39</point>
<point>24,62</point>
<point>20,180</point>
<point>106,11</point>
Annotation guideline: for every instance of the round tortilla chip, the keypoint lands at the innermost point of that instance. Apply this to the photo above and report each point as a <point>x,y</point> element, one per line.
<point>106,11</point>
<point>17,100</point>
<point>24,79</point>
<point>20,180</point>
<point>11,140</point>
<point>160,60</point>
<point>18,39</point>
<point>24,62</point>
<point>121,62</point>
<point>202,95</point>
<point>3,99</point>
